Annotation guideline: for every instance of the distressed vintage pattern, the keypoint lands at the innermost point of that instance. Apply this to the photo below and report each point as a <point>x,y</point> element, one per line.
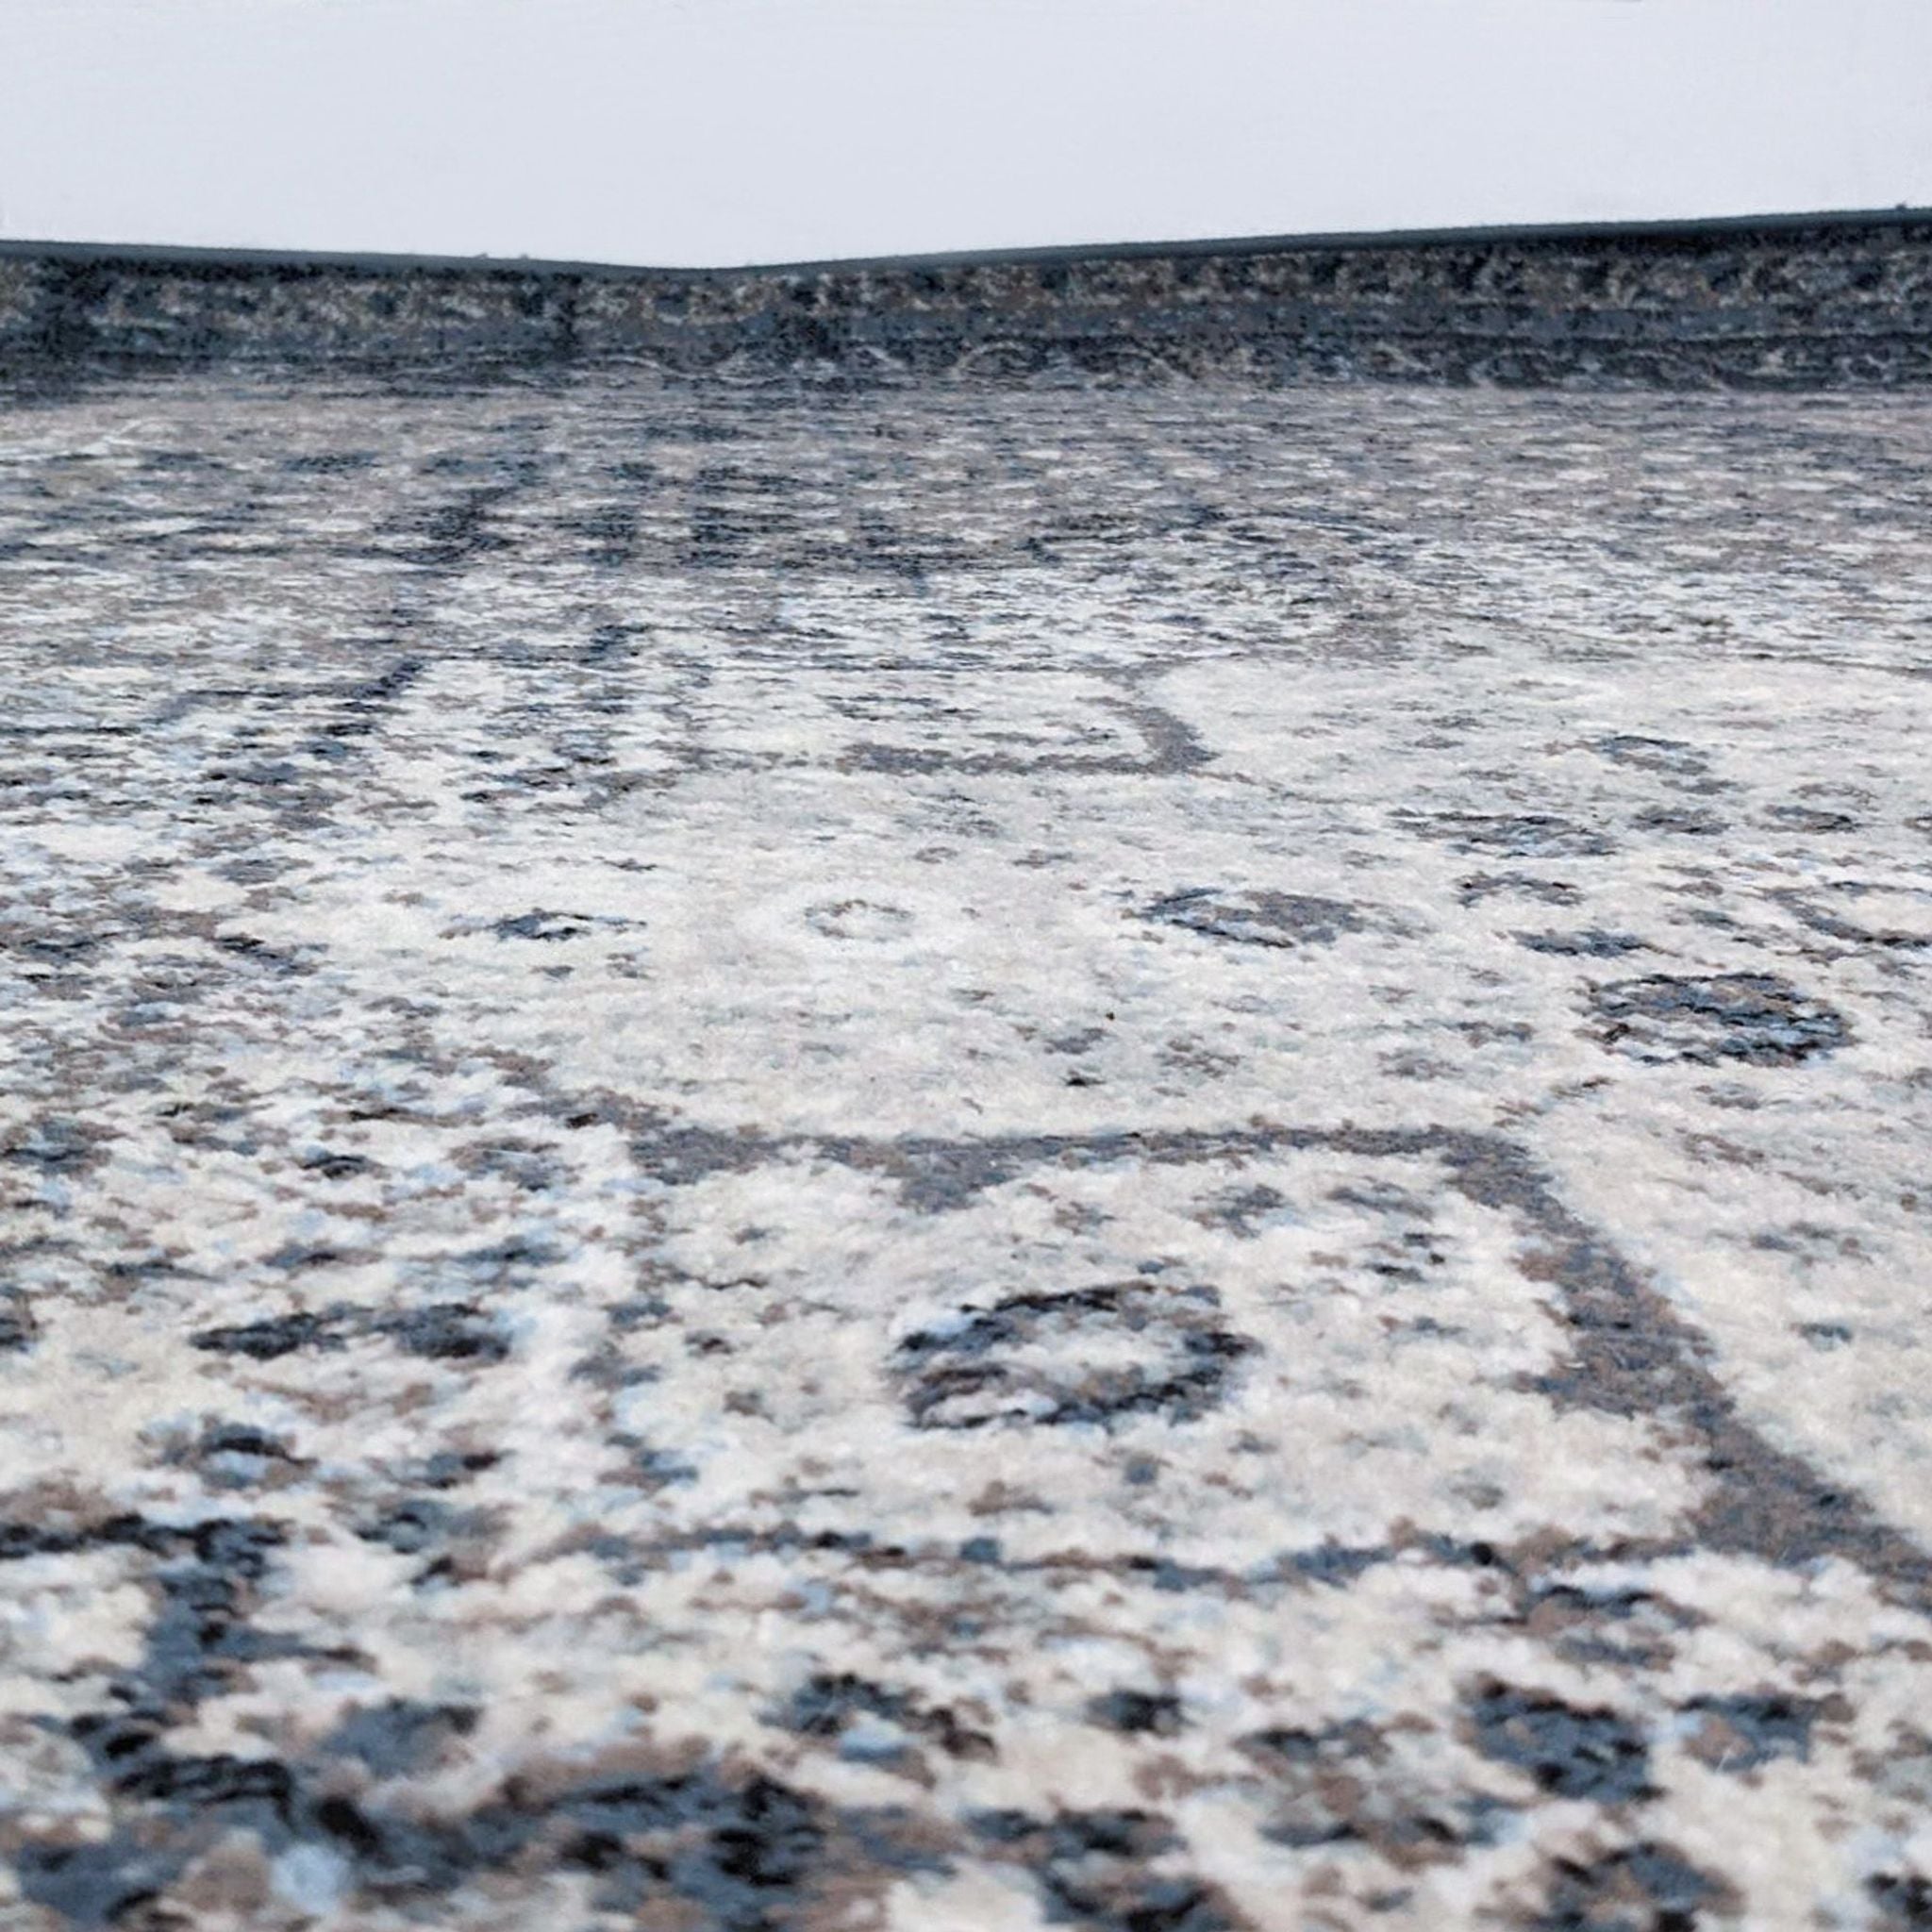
<point>960,1159</point>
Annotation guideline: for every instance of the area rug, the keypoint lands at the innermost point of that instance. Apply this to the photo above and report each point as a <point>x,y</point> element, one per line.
<point>872,1149</point>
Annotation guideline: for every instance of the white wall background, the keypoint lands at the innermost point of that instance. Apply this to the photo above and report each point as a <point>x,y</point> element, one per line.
<point>720,131</point>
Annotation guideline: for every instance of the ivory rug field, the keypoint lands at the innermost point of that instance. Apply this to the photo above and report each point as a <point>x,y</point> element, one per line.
<point>963,1155</point>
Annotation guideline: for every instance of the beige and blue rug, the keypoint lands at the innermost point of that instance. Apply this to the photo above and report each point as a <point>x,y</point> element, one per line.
<point>962,1152</point>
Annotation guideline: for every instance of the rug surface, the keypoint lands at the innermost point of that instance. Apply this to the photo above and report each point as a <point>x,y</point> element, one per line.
<point>963,1157</point>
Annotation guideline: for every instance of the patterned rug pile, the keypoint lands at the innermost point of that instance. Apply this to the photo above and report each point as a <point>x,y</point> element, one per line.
<point>963,1157</point>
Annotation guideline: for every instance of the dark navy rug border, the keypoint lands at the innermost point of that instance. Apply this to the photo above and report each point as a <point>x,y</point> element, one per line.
<point>1826,300</point>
